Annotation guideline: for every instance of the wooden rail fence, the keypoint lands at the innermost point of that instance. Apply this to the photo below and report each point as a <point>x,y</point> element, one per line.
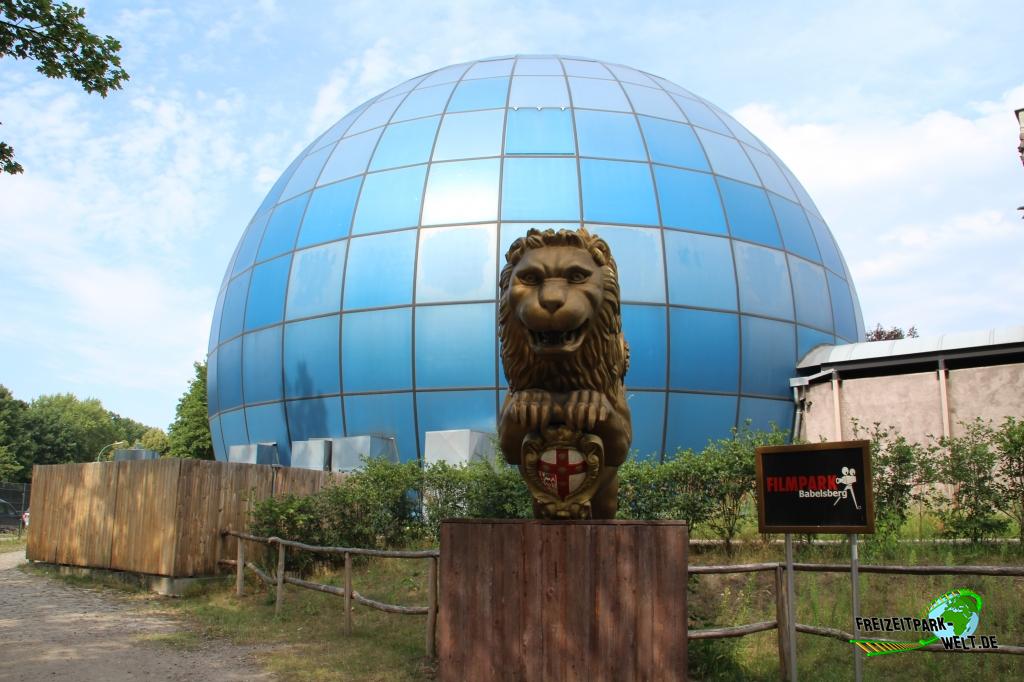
<point>782,596</point>
<point>160,517</point>
<point>280,578</point>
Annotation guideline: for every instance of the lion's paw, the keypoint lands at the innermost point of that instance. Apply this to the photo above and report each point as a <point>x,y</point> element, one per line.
<point>531,409</point>
<point>585,409</point>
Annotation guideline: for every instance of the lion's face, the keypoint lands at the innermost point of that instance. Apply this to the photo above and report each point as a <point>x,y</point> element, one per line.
<point>555,293</point>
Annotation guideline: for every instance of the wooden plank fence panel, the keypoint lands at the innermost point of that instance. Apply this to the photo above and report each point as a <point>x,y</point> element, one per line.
<point>575,587</point>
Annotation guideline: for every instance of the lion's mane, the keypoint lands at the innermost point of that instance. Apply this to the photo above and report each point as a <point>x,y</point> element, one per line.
<point>601,361</point>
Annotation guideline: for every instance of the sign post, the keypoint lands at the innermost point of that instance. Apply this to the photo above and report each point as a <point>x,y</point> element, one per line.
<point>818,488</point>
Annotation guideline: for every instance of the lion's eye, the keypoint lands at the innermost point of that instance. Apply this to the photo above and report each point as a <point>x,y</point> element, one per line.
<point>529,278</point>
<point>578,276</point>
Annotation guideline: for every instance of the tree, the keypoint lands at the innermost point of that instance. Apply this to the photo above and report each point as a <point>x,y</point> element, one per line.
<point>66,429</point>
<point>190,433</point>
<point>1009,442</point>
<point>53,35</point>
<point>879,333</point>
<point>155,439</point>
<point>128,429</point>
<point>17,451</point>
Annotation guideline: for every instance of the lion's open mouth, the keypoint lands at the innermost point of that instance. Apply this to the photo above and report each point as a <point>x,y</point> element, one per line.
<point>558,341</point>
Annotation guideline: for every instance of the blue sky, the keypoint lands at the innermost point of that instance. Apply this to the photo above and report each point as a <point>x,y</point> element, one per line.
<point>897,119</point>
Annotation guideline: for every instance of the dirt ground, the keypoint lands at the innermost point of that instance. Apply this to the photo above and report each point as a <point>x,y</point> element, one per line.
<point>53,631</point>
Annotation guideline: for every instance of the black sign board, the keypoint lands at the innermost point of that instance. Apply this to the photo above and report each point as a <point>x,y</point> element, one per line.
<point>819,488</point>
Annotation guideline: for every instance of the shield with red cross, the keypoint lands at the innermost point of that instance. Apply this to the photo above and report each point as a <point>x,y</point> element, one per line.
<point>562,470</point>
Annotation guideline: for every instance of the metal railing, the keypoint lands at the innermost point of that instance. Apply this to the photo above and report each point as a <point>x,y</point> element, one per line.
<point>279,580</point>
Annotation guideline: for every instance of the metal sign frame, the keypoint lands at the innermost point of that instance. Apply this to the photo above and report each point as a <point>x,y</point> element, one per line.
<point>782,450</point>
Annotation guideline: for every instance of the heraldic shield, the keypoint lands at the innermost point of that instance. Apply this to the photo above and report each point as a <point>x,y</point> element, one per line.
<point>562,468</point>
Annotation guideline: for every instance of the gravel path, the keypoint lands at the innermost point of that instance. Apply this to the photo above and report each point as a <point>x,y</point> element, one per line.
<point>52,631</point>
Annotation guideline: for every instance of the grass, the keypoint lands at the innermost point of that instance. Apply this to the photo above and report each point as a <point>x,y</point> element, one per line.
<point>10,542</point>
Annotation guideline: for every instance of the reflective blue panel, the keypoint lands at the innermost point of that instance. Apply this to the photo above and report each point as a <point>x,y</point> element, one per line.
<point>311,357</point>
<point>806,339</point>
<point>653,102</point>
<point>618,192</point>
<point>315,284</point>
<point>379,271</point>
<point>705,350</point>
<point>218,308</point>
<point>857,313</point>
<point>261,365</point>
<point>445,410</point>
<point>771,175</point>
<point>673,143</point>
<point>404,144</point>
<point>329,215</point>
<point>487,93</point>
<point>267,425</point>
<point>306,174</point>
<point>234,307</point>
<point>609,135</point>
<point>233,429</point>
<point>842,308</point>
<point>445,75</point>
<point>579,67</point>
<point>266,293</point>
<point>769,359</point>
<point>637,252</point>
<point>644,327</point>
<point>672,87</point>
<point>250,242</point>
<point>738,130</point>
<point>810,294</point>
<point>750,214</point>
<point>462,192</point>
<point>464,136</point>
<point>390,200</point>
<point>588,93</point>
<point>284,224</point>
<point>229,374</point>
<point>763,413</point>
<point>648,414</point>
<point>402,88</point>
<point>538,67</point>
<point>700,115</point>
<point>456,264</point>
<point>689,200</point>
<point>377,114</point>
<point>695,418</point>
<point>540,189</point>
<point>829,253</point>
<point>350,157</point>
<point>628,75</point>
<point>455,345</point>
<point>700,270</point>
<point>548,131</point>
<point>275,191</point>
<point>796,231</point>
<point>764,281</point>
<point>212,398</point>
<point>487,69</point>
<point>317,418</point>
<point>376,350</point>
<point>538,91</point>
<point>217,435</point>
<point>387,414</point>
<point>424,102</point>
<point>805,198</point>
<point>727,157</point>
<point>338,129</point>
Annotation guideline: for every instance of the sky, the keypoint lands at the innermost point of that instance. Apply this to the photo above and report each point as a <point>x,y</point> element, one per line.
<point>897,117</point>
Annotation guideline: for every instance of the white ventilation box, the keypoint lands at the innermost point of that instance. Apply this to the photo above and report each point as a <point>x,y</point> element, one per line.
<point>311,454</point>
<point>458,446</point>
<point>254,453</point>
<point>347,453</point>
<point>134,454</point>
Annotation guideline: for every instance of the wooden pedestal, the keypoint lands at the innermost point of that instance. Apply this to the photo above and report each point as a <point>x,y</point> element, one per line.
<point>562,600</point>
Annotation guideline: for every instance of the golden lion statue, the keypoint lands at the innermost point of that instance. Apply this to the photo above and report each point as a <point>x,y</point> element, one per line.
<point>565,421</point>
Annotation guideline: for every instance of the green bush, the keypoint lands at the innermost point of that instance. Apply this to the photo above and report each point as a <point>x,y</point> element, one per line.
<point>968,464</point>
<point>475,490</point>
<point>1009,444</point>
<point>675,489</point>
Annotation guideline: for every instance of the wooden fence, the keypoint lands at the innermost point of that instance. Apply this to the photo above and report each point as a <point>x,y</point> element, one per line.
<point>159,517</point>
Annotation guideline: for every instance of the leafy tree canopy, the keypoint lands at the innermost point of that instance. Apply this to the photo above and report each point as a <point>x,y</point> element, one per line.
<point>190,433</point>
<point>52,34</point>
<point>155,439</point>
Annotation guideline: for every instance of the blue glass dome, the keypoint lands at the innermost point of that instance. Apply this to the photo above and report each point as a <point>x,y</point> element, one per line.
<point>361,297</point>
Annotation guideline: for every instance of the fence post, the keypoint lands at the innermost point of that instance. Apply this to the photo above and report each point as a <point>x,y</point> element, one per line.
<point>348,593</point>
<point>239,575</point>
<point>280,577</point>
<point>432,608</point>
<point>782,618</point>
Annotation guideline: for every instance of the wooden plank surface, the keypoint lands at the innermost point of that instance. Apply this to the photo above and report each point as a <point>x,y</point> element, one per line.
<point>536,600</point>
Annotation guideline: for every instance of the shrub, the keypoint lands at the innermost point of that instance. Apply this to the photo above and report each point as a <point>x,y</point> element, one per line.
<point>676,489</point>
<point>475,490</point>
<point>1009,444</point>
<point>968,463</point>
